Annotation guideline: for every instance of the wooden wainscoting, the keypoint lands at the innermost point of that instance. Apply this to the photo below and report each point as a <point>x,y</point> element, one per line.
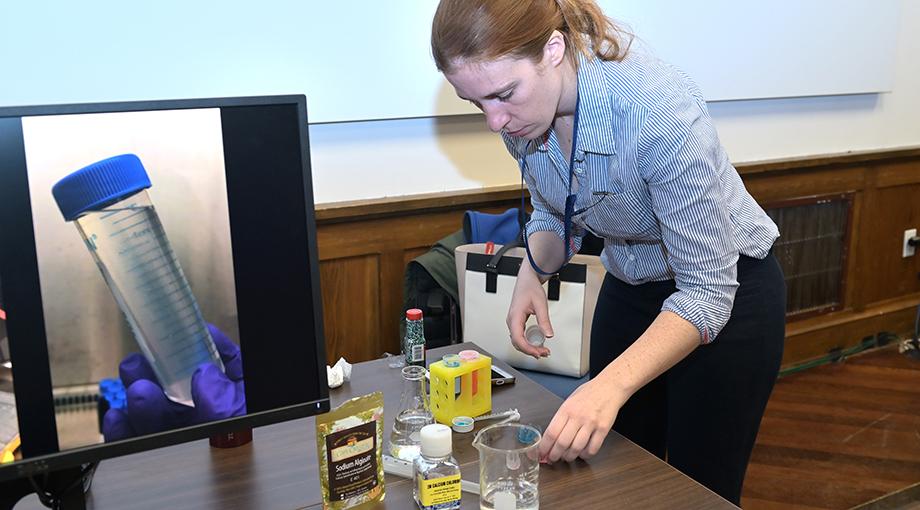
<point>363,250</point>
<point>364,247</point>
<point>882,289</point>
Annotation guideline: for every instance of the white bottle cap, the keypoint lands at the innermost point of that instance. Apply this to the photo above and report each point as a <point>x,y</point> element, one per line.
<point>436,440</point>
<point>534,335</point>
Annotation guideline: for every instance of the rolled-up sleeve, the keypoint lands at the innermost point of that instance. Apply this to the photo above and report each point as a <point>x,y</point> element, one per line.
<point>679,155</point>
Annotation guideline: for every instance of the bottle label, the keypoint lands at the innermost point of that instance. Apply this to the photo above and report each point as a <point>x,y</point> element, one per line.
<point>417,353</point>
<point>439,492</point>
<point>352,461</point>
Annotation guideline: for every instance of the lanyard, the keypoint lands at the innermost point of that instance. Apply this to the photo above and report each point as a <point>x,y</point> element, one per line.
<point>569,201</point>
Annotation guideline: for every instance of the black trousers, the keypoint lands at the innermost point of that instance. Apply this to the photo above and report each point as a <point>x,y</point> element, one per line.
<point>702,415</point>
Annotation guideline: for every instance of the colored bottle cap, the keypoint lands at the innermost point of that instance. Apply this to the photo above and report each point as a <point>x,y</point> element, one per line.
<point>527,435</point>
<point>451,360</point>
<point>99,185</point>
<point>469,355</point>
<point>462,424</point>
<point>106,385</point>
<point>113,392</point>
<point>414,314</point>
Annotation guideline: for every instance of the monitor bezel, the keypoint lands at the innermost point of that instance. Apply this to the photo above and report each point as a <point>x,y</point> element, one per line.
<point>24,381</point>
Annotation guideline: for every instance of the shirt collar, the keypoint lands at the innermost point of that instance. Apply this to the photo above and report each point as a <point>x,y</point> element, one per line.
<point>595,114</point>
<point>595,123</point>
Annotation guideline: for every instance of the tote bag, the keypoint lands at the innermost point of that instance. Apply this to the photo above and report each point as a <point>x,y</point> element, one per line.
<point>486,284</point>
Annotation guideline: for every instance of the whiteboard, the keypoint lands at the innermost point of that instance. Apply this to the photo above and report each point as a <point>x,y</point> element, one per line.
<point>370,59</point>
<point>784,48</point>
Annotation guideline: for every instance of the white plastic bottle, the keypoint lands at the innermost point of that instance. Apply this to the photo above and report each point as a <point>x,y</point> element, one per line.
<point>437,474</point>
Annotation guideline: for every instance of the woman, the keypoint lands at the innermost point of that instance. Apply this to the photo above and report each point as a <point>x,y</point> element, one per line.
<point>688,330</point>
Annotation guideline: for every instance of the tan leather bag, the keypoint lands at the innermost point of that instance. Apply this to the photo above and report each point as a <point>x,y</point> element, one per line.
<point>485,295</point>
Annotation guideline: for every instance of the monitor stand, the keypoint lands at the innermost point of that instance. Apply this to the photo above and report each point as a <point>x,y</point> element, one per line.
<point>63,490</point>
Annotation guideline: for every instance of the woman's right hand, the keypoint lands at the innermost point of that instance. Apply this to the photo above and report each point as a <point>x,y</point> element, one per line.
<point>528,299</point>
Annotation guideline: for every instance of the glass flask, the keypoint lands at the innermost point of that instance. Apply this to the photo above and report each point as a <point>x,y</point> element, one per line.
<point>414,413</point>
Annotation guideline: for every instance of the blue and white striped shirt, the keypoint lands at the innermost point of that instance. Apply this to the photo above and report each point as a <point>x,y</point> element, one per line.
<point>672,206</point>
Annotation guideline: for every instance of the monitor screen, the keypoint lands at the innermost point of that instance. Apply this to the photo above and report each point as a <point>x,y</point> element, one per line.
<point>159,274</point>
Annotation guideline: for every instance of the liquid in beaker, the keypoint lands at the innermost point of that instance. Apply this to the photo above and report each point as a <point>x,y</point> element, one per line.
<point>509,467</point>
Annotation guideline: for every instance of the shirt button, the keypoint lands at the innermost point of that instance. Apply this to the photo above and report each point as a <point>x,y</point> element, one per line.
<point>579,170</point>
<point>632,257</point>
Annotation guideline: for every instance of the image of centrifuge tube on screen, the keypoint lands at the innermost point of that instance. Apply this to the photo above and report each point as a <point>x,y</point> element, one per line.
<point>108,203</point>
<point>131,224</point>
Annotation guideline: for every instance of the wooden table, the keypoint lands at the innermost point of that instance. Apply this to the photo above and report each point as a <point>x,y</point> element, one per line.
<point>278,470</point>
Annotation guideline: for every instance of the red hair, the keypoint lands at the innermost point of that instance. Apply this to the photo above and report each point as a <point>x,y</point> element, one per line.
<point>480,30</point>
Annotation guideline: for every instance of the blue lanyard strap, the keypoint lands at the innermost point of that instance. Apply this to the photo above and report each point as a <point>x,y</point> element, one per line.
<point>569,201</point>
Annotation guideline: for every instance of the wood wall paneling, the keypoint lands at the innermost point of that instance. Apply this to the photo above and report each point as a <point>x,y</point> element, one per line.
<point>351,315</point>
<point>884,273</point>
<point>898,172</point>
<point>363,252</point>
<point>853,291</point>
<point>815,337</point>
<point>789,184</point>
<point>365,245</point>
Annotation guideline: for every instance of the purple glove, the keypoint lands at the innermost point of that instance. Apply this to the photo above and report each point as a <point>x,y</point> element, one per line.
<point>217,395</point>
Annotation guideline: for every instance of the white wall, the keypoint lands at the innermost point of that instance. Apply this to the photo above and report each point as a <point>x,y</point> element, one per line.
<point>363,160</point>
<point>105,50</point>
<point>363,60</point>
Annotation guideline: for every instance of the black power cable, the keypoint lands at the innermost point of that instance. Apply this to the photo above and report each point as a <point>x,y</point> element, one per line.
<point>839,354</point>
<point>917,326</point>
<point>911,345</point>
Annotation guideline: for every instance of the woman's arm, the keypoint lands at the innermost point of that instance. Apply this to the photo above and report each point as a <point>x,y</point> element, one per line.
<point>583,421</point>
<point>668,340</point>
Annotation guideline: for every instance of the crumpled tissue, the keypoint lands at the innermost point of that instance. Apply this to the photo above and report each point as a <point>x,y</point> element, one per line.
<point>339,373</point>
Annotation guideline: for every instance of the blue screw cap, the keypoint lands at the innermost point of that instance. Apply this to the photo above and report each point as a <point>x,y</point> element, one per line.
<point>100,184</point>
<point>526,436</point>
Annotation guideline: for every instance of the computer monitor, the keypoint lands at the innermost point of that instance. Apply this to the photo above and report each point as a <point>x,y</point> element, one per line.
<point>230,182</point>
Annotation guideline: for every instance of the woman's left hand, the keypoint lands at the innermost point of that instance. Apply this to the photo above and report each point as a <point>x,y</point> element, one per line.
<point>582,423</point>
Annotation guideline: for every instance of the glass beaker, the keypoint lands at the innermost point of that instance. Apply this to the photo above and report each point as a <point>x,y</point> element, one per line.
<point>109,204</point>
<point>509,467</point>
<point>414,413</point>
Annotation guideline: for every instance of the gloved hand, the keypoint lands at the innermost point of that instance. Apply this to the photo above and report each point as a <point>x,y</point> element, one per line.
<point>217,395</point>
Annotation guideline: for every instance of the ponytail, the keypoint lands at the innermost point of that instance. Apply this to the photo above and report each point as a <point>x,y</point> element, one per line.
<point>592,33</point>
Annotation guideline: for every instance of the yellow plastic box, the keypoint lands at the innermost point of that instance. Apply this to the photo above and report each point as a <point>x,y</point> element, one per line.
<point>474,372</point>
